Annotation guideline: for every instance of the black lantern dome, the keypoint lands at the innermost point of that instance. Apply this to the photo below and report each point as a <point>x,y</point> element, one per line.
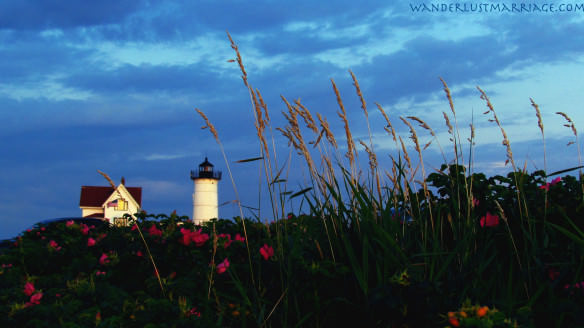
<point>206,171</point>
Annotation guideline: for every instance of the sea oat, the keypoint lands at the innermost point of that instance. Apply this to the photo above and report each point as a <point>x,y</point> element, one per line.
<point>239,60</point>
<point>260,124</point>
<point>422,124</point>
<point>538,114</point>
<point>356,84</point>
<point>570,123</point>
<point>208,124</point>
<point>414,137</point>
<point>572,126</point>
<point>450,129</point>
<point>449,96</point>
<point>372,156</point>
<point>343,115</point>
<point>305,114</point>
<point>264,106</point>
<point>406,156</point>
<point>495,119</point>
<point>107,178</point>
<point>325,127</point>
<point>389,128</point>
<point>413,134</point>
<point>472,134</point>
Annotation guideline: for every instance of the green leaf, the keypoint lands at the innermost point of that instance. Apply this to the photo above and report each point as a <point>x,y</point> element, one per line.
<point>566,170</point>
<point>301,192</point>
<point>249,159</point>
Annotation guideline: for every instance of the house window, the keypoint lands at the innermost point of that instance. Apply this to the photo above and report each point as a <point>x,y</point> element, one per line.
<point>122,205</point>
<point>120,222</point>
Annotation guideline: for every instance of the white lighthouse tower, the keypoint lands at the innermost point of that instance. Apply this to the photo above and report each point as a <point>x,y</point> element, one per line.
<point>205,194</point>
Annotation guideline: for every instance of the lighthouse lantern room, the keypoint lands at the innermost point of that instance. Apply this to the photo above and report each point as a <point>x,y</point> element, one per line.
<point>205,197</point>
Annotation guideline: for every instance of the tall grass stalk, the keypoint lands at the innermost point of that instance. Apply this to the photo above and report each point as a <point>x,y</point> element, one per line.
<point>156,272</point>
<point>384,232</point>
<point>211,128</point>
<point>570,124</point>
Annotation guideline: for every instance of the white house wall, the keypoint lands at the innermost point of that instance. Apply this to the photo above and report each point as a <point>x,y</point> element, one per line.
<point>87,211</point>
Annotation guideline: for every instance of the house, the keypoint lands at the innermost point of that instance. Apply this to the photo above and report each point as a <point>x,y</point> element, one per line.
<point>109,203</point>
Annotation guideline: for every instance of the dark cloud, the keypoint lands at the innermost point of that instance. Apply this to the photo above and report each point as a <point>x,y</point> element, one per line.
<point>51,14</point>
<point>179,21</point>
<point>545,39</point>
<point>241,16</point>
<point>147,78</point>
<point>295,43</point>
<point>30,58</point>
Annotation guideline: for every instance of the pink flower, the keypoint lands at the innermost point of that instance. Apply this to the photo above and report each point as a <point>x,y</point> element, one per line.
<point>547,185</point>
<point>489,220</point>
<point>134,227</point>
<point>186,236</point>
<point>139,254</point>
<point>28,289</point>
<point>267,251</point>
<point>69,223</point>
<point>103,260</point>
<point>84,229</point>
<point>228,241</point>
<point>192,312</point>
<point>239,238</point>
<point>475,202</point>
<point>101,236</point>
<point>100,273</point>
<point>198,237</point>
<point>57,295</point>
<point>43,228</point>
<point>553,274</point>
<point>154,231</point>
<point>222,267</point>
<point>90,242</point>
<point>53,244</point>
<point>34,300</point>
<point>9,265</point>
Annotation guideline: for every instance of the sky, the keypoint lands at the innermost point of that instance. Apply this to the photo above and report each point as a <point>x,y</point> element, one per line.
<point>113,85</point>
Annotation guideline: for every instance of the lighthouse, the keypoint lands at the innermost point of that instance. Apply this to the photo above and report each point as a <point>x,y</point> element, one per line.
<point>205,193</point>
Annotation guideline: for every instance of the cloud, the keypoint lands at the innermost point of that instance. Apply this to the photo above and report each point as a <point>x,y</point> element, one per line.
<point>28,58</point>
<point>165,157</point>
<point>158,188</point>
<point>41,14</point>
<point>197,78</point>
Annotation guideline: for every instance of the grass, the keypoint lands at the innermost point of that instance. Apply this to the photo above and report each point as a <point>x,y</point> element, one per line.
<point>444,239</point>
<point>378,246</point>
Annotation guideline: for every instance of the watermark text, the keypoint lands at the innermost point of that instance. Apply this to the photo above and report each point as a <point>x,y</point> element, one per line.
<point>501,7</point>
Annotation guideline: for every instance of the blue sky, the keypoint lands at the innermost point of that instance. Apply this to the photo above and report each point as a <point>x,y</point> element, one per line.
<point>112,85</point>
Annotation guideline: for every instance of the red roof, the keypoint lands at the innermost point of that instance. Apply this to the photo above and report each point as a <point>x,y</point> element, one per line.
<point>93,196</point>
